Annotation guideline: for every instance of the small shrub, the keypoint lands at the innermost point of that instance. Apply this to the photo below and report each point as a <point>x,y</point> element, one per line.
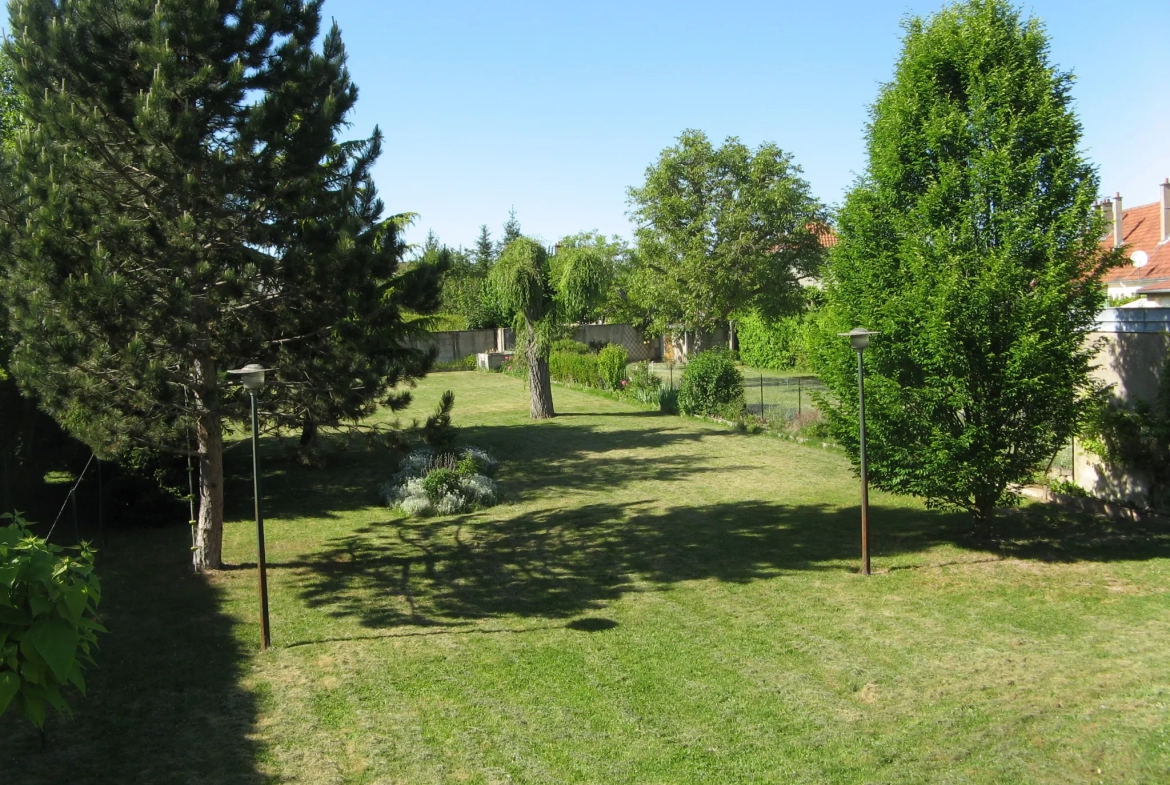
<point>475,461</point>
<point>644,385</point>
<point>429,483</point>
<point>440,482</point>
<point>644,377</point>
<point>438,432</point>
<point>468,363</point>
<point>1067,488</point>
<point>611,365</point>
<point>668,400</point>
<point>47,625</point>
<point>712,386</point>
<point>570,367</point>
<point>418,506</point>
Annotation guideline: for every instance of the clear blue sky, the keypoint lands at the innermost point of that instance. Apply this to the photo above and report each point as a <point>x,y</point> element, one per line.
<point>557,107</point>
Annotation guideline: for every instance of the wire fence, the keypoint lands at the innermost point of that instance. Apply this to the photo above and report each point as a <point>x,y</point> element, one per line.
<point>776,398</point>
<point>771,396</point>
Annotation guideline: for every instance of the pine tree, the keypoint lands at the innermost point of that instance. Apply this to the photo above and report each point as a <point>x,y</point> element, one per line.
<point>971,244</point>
<point>511,231</point>
<point>484,253</point>
<point>183,206</point>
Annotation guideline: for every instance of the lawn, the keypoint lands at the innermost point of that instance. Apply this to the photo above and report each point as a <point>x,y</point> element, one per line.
<point>659,600</point>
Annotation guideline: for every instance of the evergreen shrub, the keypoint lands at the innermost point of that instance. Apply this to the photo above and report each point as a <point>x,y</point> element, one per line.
<point>712,386</point>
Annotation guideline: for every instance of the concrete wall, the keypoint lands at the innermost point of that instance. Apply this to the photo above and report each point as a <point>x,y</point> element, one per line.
<point>1134,346</point>
<point>454,345</point>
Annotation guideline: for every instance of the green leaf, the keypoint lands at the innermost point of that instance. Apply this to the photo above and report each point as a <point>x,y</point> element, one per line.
<point>39,603</point>
<point>75,601</point>
<point>77,679</point>
<point>9,686</point>
<point>56,642</point>
<point>34,709</point>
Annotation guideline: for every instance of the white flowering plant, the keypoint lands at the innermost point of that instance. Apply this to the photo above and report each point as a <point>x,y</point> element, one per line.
<point>443,483</point>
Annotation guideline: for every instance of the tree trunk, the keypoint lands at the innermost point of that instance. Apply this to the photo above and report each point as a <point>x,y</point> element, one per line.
<point>308,443</point>
<point>538,383</point>
<point>208,553</point>
<point>984,514</point>
<point>732,338</point>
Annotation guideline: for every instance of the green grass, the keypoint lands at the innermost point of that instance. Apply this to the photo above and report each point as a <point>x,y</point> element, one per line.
<point>658,600</point>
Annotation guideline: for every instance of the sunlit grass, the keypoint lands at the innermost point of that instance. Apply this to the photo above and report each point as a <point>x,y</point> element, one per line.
<point>658,600</point>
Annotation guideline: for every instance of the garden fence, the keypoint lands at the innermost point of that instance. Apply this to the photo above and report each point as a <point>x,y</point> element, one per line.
<point>769,396</point>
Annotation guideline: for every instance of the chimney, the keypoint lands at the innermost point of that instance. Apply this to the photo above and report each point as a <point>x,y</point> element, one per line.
<point>1165,210</point>
<point>1118,235</point>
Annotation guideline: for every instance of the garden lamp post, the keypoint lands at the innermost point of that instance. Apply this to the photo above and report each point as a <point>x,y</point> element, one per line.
<point>859,339</point>
<point>252,378</point>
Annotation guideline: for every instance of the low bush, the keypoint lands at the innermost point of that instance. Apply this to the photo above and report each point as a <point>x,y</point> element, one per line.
<point>668,400</point>
<point>467,363</point>
<point>443,483</point>
<point>644,385</point>
<point>574,368</point>
<point>48,627</point>
<point>1067,488</point>
<point>611,365</point>
<point>712,386</point>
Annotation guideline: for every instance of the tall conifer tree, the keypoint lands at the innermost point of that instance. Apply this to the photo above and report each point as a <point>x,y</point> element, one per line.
<point>971,244</point>
<point>182,206</point>
<point>484,252</point>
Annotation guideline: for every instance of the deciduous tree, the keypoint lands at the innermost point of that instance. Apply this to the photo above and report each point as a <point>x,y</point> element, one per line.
<point>970,243</point>
<point>722,229</point>
<point>545,295</point>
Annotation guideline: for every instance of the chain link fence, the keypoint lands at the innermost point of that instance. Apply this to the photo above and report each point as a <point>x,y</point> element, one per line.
<point>770,395</point>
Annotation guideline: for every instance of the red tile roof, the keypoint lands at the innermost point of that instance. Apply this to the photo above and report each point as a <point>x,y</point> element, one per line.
<point>1141,227</point>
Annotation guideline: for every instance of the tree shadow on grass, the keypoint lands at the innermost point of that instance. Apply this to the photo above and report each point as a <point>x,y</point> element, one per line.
<point>558,563</point>
<point>567,453</point>
<point>165,703</point>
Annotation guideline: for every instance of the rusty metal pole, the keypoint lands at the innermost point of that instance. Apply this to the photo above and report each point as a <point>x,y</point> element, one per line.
<point>265,634</point>
<point>864,467</point>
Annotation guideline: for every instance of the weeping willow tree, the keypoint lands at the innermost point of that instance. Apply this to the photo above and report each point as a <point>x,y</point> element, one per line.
<point>546,294</point>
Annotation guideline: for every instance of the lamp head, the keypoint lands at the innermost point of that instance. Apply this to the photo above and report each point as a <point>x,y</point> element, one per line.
<point>251,375</point>
<point>859,337</point>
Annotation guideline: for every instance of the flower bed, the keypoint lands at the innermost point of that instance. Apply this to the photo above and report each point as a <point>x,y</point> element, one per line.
<point>443,483</point>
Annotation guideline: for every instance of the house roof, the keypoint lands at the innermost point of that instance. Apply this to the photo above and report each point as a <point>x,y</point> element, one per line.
<point>1141,227</point>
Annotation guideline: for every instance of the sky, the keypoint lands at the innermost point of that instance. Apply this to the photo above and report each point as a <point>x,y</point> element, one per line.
<point>556,108</point>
